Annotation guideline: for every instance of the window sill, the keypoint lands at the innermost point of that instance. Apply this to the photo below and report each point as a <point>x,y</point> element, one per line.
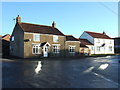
<point>36,41</point>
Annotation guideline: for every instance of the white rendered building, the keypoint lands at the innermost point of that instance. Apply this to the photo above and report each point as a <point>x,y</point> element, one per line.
<point>102,44</point>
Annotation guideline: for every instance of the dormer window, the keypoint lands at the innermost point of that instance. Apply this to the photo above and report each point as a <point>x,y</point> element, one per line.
<point>12,38</point>
<point>36,37</point>
<point>55,38</point>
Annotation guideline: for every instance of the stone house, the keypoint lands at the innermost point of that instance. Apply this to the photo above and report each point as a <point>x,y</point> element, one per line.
<point>88,46</point>
<point>84,50</point>
<point>33,40</point>
<point>72,46</point>
<point>84,47</point>
<point>5,44</point>
<point>103,44</point>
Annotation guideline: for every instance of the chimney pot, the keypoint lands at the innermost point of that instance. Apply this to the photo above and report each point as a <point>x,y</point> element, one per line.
<point>54,24</point>
<point>104,33</point>
<point>18,19</point>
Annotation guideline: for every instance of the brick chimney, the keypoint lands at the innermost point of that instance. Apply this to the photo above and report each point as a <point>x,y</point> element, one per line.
<point>18,19</point>
<point>104,33</point>
<point>54,24</point>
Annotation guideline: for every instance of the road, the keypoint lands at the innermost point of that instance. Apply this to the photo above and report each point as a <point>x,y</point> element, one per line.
<point>89,72</point>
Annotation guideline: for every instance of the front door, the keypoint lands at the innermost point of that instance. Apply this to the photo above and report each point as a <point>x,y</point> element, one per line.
<point>45,51</point>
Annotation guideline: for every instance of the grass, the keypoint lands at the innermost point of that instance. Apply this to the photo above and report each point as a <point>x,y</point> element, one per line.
<point>102,54</point>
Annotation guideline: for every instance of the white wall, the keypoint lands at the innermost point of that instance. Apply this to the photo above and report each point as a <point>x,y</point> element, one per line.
<point>91,47</point>
<point>88,37</point>
<point>104,50</point>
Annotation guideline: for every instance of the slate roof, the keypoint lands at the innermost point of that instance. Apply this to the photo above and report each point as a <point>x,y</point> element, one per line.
<point>82,45</point>
<point>6,37</point>
<point>42,44</point>
<point>70,38</point>
<point>85,42</point>
<point>42,29</point>
<point>98,35</point>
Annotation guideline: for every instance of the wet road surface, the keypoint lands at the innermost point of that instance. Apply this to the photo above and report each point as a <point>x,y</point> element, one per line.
<point>89,72</point>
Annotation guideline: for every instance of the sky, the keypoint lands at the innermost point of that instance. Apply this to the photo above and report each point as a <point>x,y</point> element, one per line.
<point>71,18</point>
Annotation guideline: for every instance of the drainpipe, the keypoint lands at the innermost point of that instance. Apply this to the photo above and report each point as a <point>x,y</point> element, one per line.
<point>64,46</point>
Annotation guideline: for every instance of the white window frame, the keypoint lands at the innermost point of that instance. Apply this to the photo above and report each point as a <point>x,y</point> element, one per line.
<point>110,48</point>
<point>55,38</point>
<point>98,41</point>
<point>37,49</point>
<point>92,48</point>
<point>36,37</point>
<point>110,42</point>
<point>71,49</point>
<point>98,48</point>
<point>103,41</point>
<point>56,48</point>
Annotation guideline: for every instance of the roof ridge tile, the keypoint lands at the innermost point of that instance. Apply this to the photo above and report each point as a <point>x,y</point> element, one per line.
<point>43,29</point>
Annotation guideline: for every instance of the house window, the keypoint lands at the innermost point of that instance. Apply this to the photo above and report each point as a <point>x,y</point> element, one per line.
<point>103,41</point>
<point>36,49</point>
<point>55,38</point>
<point>12,39</point>
<point>110,42</point>
<point>56,49</point>
<point>91,48</point>
<point>72,49</point>
<point>36,37</point>
<point>98,48</point>
<point>11,48</point>
<point>110,48</point>
<point>98,40</point>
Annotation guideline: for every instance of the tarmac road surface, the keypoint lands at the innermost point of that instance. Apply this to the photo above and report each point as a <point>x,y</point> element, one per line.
<point>89,72</point>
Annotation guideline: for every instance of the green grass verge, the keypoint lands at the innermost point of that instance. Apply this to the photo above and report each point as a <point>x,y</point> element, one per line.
<point>102,54</point>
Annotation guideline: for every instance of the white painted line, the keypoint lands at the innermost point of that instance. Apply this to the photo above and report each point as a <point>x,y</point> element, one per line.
<point>38,68</point>
<point>106,79</point>
<point>103,66</point>
<point>88,70</point>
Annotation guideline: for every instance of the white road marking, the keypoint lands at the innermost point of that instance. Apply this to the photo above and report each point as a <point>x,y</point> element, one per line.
<point>88,70</point>
<point>108,56</point>
<point>38,67</point>
<point>106,79</point>
<point>103,66</point>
